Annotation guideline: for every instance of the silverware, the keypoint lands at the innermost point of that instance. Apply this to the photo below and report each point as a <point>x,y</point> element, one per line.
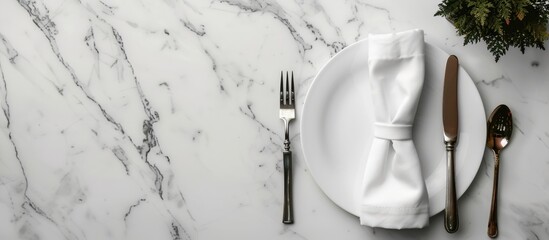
<point>500,128</point>
<point>287,113</point>
<point>450,123</point>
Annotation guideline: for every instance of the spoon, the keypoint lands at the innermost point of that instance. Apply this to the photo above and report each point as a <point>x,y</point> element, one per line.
<point>500,128</point>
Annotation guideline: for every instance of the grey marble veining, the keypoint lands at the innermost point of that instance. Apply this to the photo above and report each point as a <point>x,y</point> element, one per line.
<point>158,119</point>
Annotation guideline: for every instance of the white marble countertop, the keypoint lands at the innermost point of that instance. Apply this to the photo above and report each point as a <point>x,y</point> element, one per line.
<point>158,119</point>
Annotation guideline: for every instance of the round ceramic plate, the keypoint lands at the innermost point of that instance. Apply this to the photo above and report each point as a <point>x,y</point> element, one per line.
<point>336,127</point>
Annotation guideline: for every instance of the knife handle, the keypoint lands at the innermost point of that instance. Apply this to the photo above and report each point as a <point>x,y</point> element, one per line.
<point>451,219</point>
<point>288,216</point>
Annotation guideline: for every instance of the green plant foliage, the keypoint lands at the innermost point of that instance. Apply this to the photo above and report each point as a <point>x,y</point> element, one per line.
<point>499,23</point>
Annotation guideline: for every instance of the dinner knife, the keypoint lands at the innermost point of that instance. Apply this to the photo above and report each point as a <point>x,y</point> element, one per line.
<point>450,125</point>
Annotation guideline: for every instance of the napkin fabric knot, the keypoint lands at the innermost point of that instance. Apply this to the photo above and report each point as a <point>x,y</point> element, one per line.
<point>392,131</point>
<point>392,192</point>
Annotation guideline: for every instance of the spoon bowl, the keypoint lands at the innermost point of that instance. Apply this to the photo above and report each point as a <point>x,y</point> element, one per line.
<point>500,129</point>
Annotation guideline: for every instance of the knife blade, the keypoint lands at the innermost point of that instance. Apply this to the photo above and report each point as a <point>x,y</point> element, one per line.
<point>450,125</point>
<point>449,100</point>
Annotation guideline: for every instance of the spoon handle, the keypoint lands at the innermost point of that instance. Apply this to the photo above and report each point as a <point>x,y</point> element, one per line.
<point>493,220</point>
<point>451,219</point>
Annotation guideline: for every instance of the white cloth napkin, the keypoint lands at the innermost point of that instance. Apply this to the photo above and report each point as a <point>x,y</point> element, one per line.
<point>393,193</point>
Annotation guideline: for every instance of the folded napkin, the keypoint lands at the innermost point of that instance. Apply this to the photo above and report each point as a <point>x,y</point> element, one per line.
<point>393,192</point>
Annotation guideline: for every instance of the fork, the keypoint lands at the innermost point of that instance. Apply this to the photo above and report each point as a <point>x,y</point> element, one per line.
<point>287,113</point>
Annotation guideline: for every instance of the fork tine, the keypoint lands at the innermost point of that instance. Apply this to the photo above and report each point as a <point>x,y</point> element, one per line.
<point>292,91</point>
<point>281,88</point>
<point>287,92</point>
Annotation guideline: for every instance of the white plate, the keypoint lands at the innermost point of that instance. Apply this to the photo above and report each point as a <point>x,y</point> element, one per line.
<point>336,127</point>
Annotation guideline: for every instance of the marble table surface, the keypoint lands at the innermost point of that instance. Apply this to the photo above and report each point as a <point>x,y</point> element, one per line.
<point>158,119</point>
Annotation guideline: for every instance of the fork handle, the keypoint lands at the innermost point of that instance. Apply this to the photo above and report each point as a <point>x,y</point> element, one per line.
<point>493,220</point>
<point>288,216</point>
